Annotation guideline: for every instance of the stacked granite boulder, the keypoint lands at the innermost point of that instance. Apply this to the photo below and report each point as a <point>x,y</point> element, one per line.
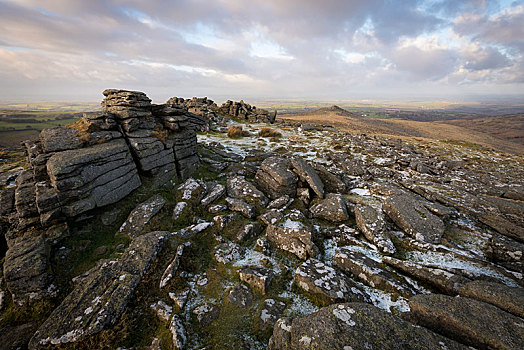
<point>200,111</point>
<point>247,112</point>
<point>92,163</point>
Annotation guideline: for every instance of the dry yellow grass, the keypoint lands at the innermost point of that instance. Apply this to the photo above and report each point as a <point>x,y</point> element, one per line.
<point>236,131</point>
<point>269,132</point>
<point>441,130</point>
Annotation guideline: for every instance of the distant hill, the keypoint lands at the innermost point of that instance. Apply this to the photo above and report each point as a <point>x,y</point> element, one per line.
<point>507,127</point>
<point>503,133</point>
<point>333,109</point>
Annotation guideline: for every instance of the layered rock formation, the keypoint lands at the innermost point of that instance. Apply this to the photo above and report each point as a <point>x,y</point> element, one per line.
<point>247,112</point>
<point>92,163</point>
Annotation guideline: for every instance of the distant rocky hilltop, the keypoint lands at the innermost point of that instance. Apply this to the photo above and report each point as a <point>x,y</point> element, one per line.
<point>156,227</point>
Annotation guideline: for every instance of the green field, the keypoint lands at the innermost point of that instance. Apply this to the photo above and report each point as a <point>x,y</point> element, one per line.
<point>17,125</point>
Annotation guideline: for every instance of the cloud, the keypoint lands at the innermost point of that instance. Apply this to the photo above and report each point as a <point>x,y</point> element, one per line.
<point>272,48</point>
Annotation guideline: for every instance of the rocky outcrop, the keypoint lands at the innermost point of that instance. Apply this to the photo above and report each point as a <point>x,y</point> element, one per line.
<point>413,218</point>
<point>99,300</point>
<point>355,326</point>
<point>160,137</point>
<point>469,321</point>
<point>92,163</point>
<point>201,111</point>
<point>247,112</point>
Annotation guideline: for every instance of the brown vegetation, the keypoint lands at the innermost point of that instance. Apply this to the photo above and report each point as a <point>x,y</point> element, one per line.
<point>269,132</point>
<point>463,130</point>
<point>236,131</point>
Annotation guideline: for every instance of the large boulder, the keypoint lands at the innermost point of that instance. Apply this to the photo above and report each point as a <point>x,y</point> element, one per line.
<point>27,271</point>
<point>413,218</point>
<point>326,284</point>
<point>469,321</point>
<point>293,237</point>
<point>275,177</point>
<point>306,173</point>
<point>99,300</point>
<point>354,326</point>
<point>333,208</point>
<point>238,187</point>
<point>332,183</point>
<point>373,226</point>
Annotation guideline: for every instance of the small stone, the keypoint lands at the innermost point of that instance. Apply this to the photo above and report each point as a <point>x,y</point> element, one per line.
<point>179,208</point>
<point>257,277</point>
<point>271,312</point>
<point>140,216</point>
<point>332,208</point>
<point>163,310</point>
<point>228,252</point>
<point>180,298</point>
<point>222,220</point>
<point>217,191</point>
<point>327,284</point>
<point>241,295</point>
<point>100,250</point>
<point>217,208</point>
<point>271,217</point>
<point>242,207</point>
<point>206,314</point>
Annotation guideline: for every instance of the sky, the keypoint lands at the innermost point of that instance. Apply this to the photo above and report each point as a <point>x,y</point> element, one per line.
<point>71,50</point>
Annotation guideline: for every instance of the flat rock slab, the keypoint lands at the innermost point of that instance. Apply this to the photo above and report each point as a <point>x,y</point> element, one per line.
<point>239,187</point>
<point>413,218</point>
<point>355,326</point>
<point>275,177</point>
<point>99,301</point>
<point>371,272</point>
<point>332,208</point>
<point>306,173</point>
<point>469,321</point>
<point>296,240</point>
<point>373,226</point>
<point>507,298</point>
<point>326,283</point>
<point>140,216</point>
<point>445,281</point>
<point>217,191</point>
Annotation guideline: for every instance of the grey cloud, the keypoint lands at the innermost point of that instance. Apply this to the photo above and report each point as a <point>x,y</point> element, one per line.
<point>428,64</point>
<point>488,58</point>
<point>503,29</point>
